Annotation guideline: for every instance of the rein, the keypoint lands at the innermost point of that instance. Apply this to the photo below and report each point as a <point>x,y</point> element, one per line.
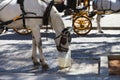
<point>19,18</point>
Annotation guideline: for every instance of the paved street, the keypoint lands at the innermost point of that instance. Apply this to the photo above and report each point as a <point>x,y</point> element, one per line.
<point>93,45</point>
<point>89,53</point>
<point>15,66</point>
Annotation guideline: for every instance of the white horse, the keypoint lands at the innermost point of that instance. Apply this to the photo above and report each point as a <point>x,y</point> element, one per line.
<point>9,9</point>
<point>103,6</point>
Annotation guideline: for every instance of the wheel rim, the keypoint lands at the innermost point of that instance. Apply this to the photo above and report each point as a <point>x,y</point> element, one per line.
<point>23,31</point>
<point>82,25</point>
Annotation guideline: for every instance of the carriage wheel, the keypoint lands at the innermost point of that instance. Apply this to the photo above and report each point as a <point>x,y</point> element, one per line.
<point>82,25</point>
<point>23,31</point>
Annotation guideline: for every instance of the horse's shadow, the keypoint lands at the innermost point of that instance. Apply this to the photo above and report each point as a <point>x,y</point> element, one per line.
<point>76,53</point>
<point>95,35</point>
<point>15,65</point>
<point>102,48</point>
<point>16,36</point>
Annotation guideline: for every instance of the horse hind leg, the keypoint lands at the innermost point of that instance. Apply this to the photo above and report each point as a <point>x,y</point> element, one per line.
<point>34,59</point>
<point>42,59</point>
<point>38,43</point>
<point>98,23</point>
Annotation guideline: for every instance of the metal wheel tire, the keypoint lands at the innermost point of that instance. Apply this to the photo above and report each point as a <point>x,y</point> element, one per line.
<point>82,25</point>
<point>23,31</point>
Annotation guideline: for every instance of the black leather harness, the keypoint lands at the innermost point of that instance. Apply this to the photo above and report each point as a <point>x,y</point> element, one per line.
<point>21,3</point>
<point>47,13</point>
<point>45,16</point>
<point>24,16</point>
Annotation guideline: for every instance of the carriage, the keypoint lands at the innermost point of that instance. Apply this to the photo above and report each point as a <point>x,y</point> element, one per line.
<point>82,18</point>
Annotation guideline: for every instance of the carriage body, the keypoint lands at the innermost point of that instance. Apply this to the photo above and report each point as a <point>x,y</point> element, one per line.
<point>103,7</point>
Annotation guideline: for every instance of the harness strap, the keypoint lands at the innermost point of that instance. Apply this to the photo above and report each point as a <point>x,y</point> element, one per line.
<point>20,2</point>
<point>47,13</point>
<point>20,17</point>
<point>45,16</point>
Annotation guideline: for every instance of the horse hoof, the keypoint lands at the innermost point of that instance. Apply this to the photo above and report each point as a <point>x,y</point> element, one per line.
<point>100,31</point>
<point>36,64</point>
<point>45,67</point>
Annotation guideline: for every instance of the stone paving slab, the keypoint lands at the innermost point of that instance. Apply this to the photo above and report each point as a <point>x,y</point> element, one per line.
<point>83,66</point>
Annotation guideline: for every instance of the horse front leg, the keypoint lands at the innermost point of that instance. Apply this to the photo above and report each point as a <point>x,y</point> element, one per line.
<point>98,23</point>
<point>42,59</point>
<point>34,59</point>
<point>38,44</point>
